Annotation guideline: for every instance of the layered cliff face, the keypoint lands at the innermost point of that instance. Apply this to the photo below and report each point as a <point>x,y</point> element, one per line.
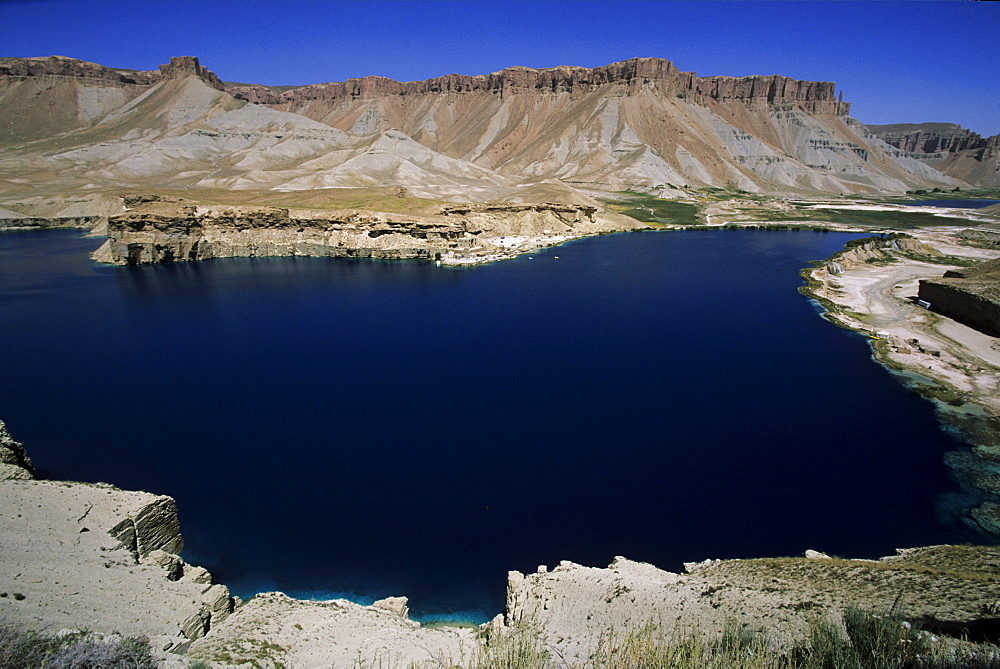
<point>978,165</point>
<point>927,137</point>
<point>507,136</point>
<point>91,556</point>
<point>639,122</point>
<point>631,75</point>
<point>155,232</point>
<point>970,296</point>
<point>950,148</point>
<point>41,97</point>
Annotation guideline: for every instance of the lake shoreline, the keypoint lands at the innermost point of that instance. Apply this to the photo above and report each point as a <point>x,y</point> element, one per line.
<point>871,290</point>
<point>257,629</point>
<point>83,556</point>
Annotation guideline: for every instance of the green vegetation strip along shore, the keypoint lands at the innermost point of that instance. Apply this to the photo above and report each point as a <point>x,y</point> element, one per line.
<point>796,215</point>
<point>646,208</point>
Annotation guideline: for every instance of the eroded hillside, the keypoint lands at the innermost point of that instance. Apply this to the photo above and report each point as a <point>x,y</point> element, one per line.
<point>519,135</point>
<point>950,148</point>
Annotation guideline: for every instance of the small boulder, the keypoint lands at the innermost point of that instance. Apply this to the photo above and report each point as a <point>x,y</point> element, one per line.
<point>395,605</point>
<point>816,555</point>
<point>172,565</point>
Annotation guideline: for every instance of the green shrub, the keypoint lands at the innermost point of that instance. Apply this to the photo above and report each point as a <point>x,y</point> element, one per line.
<point>519,648</point>
<point>20,648</point>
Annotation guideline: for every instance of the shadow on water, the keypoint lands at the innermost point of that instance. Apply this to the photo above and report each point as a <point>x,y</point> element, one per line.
<point>381,428</point>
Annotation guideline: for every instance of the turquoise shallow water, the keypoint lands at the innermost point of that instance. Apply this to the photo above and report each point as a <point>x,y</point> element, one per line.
<point>336,427</point>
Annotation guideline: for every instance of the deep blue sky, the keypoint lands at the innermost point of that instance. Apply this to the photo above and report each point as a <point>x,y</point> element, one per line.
<point>896,62</point>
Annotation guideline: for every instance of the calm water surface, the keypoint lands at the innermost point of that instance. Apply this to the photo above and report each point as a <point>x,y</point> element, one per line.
<point>333,427</point>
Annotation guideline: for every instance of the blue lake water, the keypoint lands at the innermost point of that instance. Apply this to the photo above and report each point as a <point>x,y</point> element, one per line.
<point>347,427</point>
<point>953,204</point>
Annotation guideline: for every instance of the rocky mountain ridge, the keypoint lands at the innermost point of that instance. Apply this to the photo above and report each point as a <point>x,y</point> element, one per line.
<point>61,66</point>
<point>948,147</point>
<point>928,137</point>
<point>630,75</point>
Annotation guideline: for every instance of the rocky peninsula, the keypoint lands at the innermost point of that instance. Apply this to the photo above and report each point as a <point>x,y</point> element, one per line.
<point>153,230</point>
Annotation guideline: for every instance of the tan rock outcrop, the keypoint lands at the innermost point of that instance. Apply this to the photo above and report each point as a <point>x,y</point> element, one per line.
<point>14,462</point>
<point>970,296</point>
<point>173,232</point>
<point>91,556</point>
<point>27,222</point>
<point>397,605</point>
<point>186,66</point>
<point>153,527</point>
<point>577,608</point>
<point>272,628</point>
<point>60,66</point>
<point>865,250</point>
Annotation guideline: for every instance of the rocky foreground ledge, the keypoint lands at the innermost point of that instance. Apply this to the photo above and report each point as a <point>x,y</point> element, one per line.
<point>91,556</point>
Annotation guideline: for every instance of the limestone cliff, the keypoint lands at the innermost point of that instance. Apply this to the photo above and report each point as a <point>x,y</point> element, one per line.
<point>630,75</point>
<point>638,122</point>
<point>578,608</point>
<point>978,165</point>
<point>171,232</point>
<point>876,249</point>
<point>22,222</point>
<point>60,66</point>
<point>927,137</point>
<point>184,66</point>
<point>970,296</point>
<point>91,556</point>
